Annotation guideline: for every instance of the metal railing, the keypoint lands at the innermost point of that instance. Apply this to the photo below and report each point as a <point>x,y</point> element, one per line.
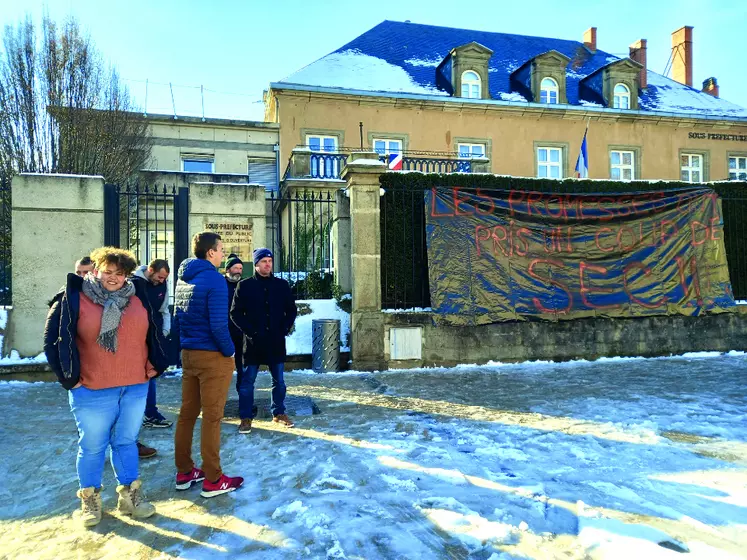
<point>303,241</point>
<point>306,164</point>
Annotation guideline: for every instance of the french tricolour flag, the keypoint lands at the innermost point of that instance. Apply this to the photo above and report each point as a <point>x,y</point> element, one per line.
<point>582,163</point>
<point>395,162</point>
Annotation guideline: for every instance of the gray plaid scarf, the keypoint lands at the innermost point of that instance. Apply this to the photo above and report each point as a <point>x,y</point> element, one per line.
<point>114,303</point>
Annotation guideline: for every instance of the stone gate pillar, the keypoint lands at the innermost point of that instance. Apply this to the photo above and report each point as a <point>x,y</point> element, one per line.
<point>56,220</point>
<point>367,322</point>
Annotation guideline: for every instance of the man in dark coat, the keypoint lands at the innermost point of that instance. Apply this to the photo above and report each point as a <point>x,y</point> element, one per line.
<point>264,309</point>
<point>234,270</point>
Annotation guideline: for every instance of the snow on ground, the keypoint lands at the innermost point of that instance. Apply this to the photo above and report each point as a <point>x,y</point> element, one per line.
<point>618,458</point>
<point>299,342</point>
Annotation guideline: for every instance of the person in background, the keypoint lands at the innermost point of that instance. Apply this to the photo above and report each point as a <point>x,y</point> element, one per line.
<point>83,266</point>
<point>154,277</point>
<point>264,309</point>
<point>102,342</point>
<point>201,322</point>
<point>234,270</point>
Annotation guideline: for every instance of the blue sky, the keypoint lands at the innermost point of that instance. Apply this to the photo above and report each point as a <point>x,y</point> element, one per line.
<point>236,48</point>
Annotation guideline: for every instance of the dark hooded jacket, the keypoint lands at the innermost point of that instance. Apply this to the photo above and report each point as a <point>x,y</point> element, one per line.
<point>201,308</point>
<point>61,331</point>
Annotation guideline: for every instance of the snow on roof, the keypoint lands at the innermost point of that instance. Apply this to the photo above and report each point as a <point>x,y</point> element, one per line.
<point>351,69</point>
<point>405,57</point>
<point>664,94</point>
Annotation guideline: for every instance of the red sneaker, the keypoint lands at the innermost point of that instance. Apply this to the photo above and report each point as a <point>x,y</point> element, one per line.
<point>185,481</point>
<point>223,485</point>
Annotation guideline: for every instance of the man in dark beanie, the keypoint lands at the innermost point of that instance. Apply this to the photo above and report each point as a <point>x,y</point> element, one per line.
<point>234,270</point>
<point>264,309</point>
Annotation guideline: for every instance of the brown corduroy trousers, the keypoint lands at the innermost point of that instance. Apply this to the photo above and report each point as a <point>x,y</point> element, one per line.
<point>206,377</point>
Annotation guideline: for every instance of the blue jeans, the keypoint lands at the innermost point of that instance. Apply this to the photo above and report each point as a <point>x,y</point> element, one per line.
<point>246,390</point>
<point>108,417</point>
<point>151,410</point>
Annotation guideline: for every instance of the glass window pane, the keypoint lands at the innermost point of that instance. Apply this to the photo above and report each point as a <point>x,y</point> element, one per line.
<point>625,103</point>
<point>315,143</point>
<point>463,150</point>
<point>732,163</point>
<point>465,90</point>
<point>684,160</point>
<point>553,97</point>
<point>742,163</point>
<point>555,172</point>
<point>542,154</point>
<point>380,146</point>
<point>742,176</point>
<point>476,91</point>
<point>198,166</point>
<point>555,156</point>
<point>543,96</point>
<point>615,173</point>
<point>685,175</point>
<point>696,161</point>
<point>478,150</point>
<point>615,158</point>
<point>627,158</point>
<point>627,174</point>
<point>732,176</point>
<point>542,171</point>
<point>330,144</point>
<point>395,147</point>
<point>696,176</point>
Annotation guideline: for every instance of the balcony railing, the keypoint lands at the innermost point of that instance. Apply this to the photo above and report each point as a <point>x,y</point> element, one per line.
<point>307,164</point>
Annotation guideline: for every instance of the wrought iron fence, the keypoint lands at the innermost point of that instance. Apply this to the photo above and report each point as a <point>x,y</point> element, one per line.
<point>303,241</point>
<point>150,221</point>
<point>329,165</point>
<point>404,257</point>
<point>6,287</point>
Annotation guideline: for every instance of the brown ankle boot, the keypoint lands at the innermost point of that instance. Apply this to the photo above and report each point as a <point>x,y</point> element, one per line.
<point>90,506</point>
<point>283,420</point>
<point>131,501</point>
<point>246,426</point>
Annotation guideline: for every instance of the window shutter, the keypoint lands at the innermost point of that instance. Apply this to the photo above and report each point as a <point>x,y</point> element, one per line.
<point>263,172</point>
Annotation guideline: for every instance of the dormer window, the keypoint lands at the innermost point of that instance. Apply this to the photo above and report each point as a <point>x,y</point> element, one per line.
<point>471,85</point>
<point>621,97</point>
<point>548,91</point>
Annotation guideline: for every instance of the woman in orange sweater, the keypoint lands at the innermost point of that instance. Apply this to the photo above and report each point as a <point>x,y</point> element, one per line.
<point>103,343</point>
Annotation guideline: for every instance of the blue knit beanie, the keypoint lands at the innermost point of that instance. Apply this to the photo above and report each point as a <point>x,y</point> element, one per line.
<point>260,254</point>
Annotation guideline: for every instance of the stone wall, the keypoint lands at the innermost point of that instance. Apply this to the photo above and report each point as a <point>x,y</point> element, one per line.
<point>57,219</point>
<point>229,203</point>
<point>568,340</point>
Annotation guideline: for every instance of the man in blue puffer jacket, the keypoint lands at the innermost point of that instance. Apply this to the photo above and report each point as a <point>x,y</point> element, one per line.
<point>201,322</point>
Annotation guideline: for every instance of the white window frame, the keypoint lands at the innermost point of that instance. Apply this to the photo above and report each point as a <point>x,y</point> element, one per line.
<point>388,146</point>
<point>322,138</point>
<point>622,167</point>
<point>621,100</point>
<point>548,90</point>
<point>689,167</point>
<point>471,87</point>
<point>197,157</point>
<point>470,150</point>
<point>737,173</point>
<point>548,164</point>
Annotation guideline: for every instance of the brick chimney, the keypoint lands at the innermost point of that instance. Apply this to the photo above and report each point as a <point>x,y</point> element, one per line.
<point>682,55</point>
<point>590,39</point>
<point>710,86</point>
<point>638,53</point>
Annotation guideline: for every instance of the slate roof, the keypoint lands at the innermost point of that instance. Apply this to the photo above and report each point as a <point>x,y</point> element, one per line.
<point>403,57</point>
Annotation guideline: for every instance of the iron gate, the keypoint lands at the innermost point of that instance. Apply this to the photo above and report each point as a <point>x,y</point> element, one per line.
<point>150,221</point>
<point>6,293</point>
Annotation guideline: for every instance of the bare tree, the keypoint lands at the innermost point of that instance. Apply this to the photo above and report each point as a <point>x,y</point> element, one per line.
<point>62,110</point>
